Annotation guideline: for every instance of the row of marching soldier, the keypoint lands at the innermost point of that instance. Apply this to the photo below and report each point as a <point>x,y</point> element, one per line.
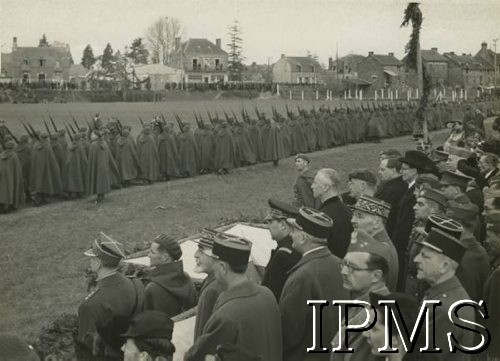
<point>79,161</point>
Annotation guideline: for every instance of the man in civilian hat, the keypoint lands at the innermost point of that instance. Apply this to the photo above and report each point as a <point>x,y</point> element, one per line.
<point>284,256</point>
<point>437,263</point>
<point>326,188</point>
<point>106,312</point>
<point>414,163</point>
<point>475,266</point>
<point>246,314</point>
<point>391,189</point>
<point>362,182</point>
<point>315,277</point>
<point>171,290</point>
<point>364,269</point>
<point>302,187</point>
<point>453,184</point>
<point>210,288</point>
<point>369,215</point>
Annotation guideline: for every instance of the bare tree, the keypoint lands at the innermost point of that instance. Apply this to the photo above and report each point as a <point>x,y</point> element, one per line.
<point>161,39</point>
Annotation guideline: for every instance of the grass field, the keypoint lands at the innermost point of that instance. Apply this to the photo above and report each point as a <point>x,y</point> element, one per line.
<point>129,113</point>
<point>41,249</point>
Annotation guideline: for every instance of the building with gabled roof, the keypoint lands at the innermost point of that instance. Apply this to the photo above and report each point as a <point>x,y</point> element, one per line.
<point>297,70</point>
<point>201,61</point>
<point>346,67</point>
<point>382,71</point>
<point>28,64</point>
<point>487,58</point>
<point>436,68</point>
<point>465,71</point>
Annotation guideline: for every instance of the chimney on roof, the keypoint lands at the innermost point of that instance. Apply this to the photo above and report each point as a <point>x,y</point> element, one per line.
<point>391,54</point>
<point>177,43</point>
<point>452,53</point>
<point>14,43</point>
<point>484,45</point>
<point>463,54</point>
<point>330,63</point>
<point>282,56</point>
<point>370,53</point>
<point>218,42</point>
<point>434,49</point>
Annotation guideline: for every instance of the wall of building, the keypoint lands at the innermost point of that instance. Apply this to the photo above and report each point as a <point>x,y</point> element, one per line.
<point>282,72</point>
<point>54,67</point>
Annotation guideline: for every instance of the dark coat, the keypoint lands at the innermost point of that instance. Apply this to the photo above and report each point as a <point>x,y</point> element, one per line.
<point>225,157</point>
<point>474,268</point>
<point>315,277</point>
<point>75,169</point>
<point>209,292</point>
<point>340,237</point>
<point>127,159</point>
<point>392,192</point>
<point>404,225</point>
<point>283,258</point>
<point>23,151</point>
<point>491,297</point>
<point>449,292</point>
<point>45,174</point>
<point>11,179</point>
<point>247,316</point>
<point>148,158</point>
<point>170,291</point>
<point>168,154</point>
<point>102,170</point>
<point>116,300</point>
<point>188,154</point>
<point>303,192</point>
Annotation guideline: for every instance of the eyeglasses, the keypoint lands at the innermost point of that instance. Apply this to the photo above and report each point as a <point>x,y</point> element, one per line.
<point>352,267</point>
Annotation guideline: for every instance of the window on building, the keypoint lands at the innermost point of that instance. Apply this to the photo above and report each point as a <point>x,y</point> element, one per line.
<point>195,64</point>
<point>312,69</point>
<point>41,62</point>
<point>26,62</point>
<point>374,77</point>
<point>217,64</point>
<point>26,78</point>
<point>41,77</point>
<point>299,68</point>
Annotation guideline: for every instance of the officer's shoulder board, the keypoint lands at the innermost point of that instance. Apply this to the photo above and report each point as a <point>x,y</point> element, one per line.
<point>285,249</point>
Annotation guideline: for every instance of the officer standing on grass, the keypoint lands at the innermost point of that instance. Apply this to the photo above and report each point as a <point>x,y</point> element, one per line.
<point>106,312</point>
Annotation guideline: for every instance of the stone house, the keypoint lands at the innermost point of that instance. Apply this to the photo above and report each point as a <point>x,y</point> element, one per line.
<point>487,58</point>
<point>47,63</point>
<point>297,70</point>
<point>201,61</point>
<point>464,71</point>
<point>382,71</point>
<point>436,68</point>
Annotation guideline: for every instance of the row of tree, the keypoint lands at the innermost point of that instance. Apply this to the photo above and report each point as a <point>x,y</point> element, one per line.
<point>161,44</point>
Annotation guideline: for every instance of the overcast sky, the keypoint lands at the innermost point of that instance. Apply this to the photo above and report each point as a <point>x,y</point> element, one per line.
<point>270,27</point>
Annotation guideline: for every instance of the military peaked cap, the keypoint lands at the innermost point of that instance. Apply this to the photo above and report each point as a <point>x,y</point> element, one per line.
<point>281,210</point>
<point>445,224</point>
<point>312,222</point>
<point>106,248</point>
<point>235,251</point>
<point>373,206</point>
<point>150,324</point>
<point>435,196</point>
<point>454,178</point>
<point>444,243</point>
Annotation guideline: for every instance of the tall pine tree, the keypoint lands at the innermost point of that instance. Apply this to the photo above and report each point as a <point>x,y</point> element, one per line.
<point>138,52</point>
<point>235,46</point>
<point>107,57</point>
<point>88,58</point>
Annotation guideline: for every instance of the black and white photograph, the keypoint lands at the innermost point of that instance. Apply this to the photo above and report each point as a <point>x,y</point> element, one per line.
<point>249,180</point>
